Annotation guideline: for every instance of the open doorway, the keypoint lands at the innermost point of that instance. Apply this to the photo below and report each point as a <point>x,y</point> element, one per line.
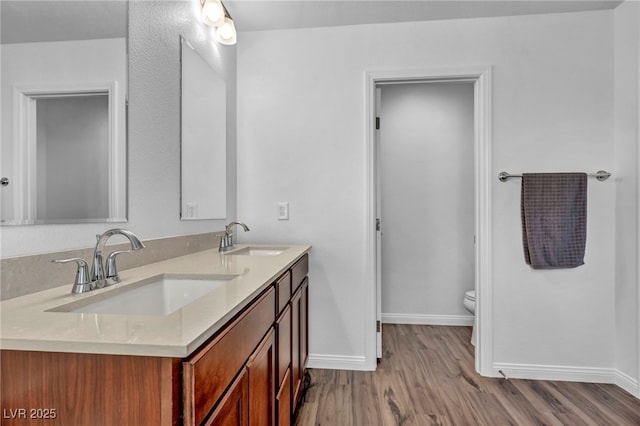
<point>426,208</point>
<point>479,79</point>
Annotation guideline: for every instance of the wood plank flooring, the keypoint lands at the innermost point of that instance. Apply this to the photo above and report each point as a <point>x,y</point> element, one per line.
<point>427,377</point>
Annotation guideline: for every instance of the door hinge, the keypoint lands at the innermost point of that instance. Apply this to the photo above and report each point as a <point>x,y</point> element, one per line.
<point>378,326</point>
<point>377,224</point>
<point>377,123</point>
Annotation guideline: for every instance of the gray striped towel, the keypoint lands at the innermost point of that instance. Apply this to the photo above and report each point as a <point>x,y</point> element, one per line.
<point>554,219</point>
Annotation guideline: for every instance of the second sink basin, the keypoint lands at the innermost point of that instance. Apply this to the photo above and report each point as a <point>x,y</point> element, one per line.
<point>258,251</point>
<point>160,295</point>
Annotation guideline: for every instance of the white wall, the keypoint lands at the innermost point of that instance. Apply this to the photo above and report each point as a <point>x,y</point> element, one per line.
<point>301,138</point>
<point>427,184</point>
<point>154,132</point>
<point>627,113</point>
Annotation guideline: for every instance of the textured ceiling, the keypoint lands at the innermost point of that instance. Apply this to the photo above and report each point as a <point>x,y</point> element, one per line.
<point>53,20</point>
<point>253,15</point>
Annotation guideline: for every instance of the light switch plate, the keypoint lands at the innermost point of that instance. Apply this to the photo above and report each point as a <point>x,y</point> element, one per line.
<point>283,210</point>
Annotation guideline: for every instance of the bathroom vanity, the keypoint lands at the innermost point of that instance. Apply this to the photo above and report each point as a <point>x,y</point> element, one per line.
<point>235,355</point>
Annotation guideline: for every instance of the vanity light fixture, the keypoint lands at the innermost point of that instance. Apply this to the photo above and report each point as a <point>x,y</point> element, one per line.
<point>226,33</point>
<point>216,15</point>
<point>213,12</point>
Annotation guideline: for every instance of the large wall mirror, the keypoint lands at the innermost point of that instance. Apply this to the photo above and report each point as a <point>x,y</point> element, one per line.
<point>64,95</point>
<point>204,138</point>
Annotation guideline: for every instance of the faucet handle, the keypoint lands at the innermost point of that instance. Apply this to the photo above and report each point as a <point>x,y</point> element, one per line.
<point>112,271</point>
<point>82,282</point>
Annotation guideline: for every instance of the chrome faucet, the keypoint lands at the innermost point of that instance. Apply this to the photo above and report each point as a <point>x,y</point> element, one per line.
<point>226,242</point>
<point>98,275</point>
<point>97,279</point>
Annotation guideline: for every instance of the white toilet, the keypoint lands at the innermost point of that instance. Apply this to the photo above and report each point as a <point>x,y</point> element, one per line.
<point>470,303</point>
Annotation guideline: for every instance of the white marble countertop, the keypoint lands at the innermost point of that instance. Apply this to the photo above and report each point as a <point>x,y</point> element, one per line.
<point>26,324</point>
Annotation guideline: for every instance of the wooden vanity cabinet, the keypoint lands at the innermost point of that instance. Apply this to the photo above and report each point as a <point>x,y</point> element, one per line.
<point>275,370</point>
<point>207,372</point>
<point>251,372</point>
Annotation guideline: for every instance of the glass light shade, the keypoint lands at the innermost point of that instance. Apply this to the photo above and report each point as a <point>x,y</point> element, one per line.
<point>226,33</point>
<point>213,13</point>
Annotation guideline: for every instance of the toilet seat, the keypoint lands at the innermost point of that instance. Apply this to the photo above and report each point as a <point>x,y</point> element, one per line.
<point>470,304</point>
<point>470,295</point>
<point>470,301</point>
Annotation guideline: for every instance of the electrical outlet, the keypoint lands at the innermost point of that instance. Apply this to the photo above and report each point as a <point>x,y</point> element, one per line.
<point>192,210</point>
<point>283,210</point>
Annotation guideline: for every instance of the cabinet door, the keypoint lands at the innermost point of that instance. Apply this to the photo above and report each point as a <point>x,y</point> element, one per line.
<point>299,340</point>
<point>296,376</point>
<point>304,326</point>
<point>234,407</point>
<point>283,328</point>
<point>261,368</point>
<point>283,401</point>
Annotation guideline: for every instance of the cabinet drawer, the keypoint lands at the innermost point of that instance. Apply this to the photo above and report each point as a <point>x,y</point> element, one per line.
<point>298,271</point>
<point>208,372</point>
<point>283,291</point>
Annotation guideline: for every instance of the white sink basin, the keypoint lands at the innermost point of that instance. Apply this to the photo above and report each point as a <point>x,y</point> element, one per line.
<point>258,251</point>
<point>159,295</point>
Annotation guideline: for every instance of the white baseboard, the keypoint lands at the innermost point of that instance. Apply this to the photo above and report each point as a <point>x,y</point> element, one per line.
<point>510,370</point>
<point>338,362</point>
<point>464,320</point>
<point>565,373</point>
<point>627,383</point>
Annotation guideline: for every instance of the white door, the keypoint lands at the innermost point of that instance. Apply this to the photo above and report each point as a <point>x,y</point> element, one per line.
<point>378,230</point>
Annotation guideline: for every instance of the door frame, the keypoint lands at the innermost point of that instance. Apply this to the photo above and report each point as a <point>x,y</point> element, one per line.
<point>25,139</point>
<point>482,78</point>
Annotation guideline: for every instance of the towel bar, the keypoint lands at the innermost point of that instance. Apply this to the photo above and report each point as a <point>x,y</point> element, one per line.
<point>600,175</point>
